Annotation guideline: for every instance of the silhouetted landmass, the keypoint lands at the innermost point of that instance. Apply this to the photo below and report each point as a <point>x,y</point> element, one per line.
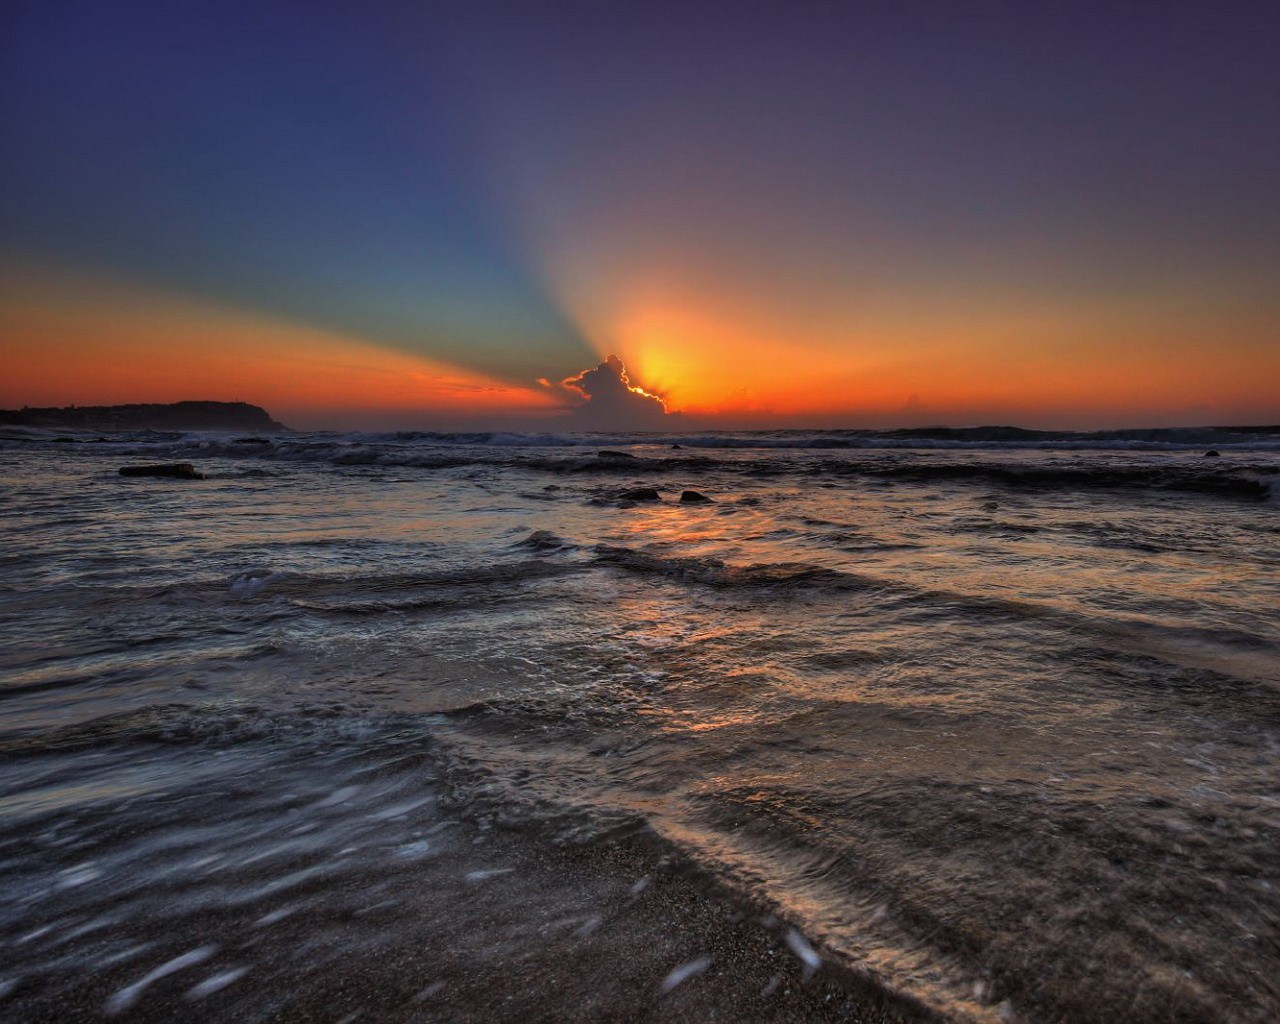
<point>173,416</point>
<point>1275,429</point>
<point>974,433</point>
<point>1158,435</point>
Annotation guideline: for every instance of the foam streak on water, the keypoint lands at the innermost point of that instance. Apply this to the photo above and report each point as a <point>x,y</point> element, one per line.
<point>993,723</point>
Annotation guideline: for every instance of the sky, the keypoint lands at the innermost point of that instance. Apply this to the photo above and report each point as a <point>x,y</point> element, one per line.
<point>555,214</point>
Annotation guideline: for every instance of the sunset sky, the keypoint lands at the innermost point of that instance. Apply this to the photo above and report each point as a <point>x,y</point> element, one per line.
<point>419,214</point>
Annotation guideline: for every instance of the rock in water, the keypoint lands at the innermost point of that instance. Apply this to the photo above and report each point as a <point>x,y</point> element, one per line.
<point>694,498</point>
<point>1213,453</point>
<point>607,453</point>
<point>172,470</point>
<point>545,540</point>
<point>641,494</point>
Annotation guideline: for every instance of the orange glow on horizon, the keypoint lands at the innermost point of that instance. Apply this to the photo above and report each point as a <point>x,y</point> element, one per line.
<point>731,309</point>
<point>87,342</point>
<point>720,355</point>
<point>740,361</point>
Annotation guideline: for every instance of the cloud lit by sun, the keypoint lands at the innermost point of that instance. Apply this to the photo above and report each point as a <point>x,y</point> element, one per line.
<point>605,396</point>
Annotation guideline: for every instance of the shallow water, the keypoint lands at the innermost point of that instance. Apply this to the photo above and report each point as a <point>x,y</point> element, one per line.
<point>995,725</point>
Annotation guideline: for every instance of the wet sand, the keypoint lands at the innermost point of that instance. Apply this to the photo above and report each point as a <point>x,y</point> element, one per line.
<point>241,904</point>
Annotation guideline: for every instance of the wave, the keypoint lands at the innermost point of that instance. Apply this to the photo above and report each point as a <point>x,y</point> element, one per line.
<point>1230,659</point>
<point>1175,438</point>
<point>215,723</point>
<point>464,588</point>
<point>717,573</point>
<point>1255,479</point>
<point>1240,438</point>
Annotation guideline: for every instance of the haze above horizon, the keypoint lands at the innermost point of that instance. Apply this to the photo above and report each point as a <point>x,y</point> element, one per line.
<point>580,218</point>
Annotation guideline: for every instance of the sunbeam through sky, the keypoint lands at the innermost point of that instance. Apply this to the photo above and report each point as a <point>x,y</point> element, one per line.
<point>857,215</point>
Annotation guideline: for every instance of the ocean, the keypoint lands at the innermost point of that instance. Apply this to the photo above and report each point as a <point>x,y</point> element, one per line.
<point>448,727</point>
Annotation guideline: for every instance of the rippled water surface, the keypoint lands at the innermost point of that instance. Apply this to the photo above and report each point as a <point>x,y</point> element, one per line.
<point>996,726</point>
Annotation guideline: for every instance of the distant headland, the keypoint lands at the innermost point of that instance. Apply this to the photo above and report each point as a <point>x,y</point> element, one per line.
<point>172,416</point>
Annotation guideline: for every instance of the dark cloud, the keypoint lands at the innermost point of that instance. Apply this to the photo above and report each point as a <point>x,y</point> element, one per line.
<point>610,401</point>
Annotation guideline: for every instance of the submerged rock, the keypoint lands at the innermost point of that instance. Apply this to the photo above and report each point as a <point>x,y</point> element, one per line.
<point>251,440</point>
<point>1213,453</point>
<point>694,498</point>
<point>172,470</point>
<point>640,494</point>
<point>608,453</point>
<point>545,540</point>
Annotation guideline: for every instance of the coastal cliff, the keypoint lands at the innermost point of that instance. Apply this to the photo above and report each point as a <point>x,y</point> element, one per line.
<point>240,416</point>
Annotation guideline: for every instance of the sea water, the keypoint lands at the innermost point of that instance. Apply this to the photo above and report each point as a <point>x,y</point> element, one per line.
<point>993,724</point>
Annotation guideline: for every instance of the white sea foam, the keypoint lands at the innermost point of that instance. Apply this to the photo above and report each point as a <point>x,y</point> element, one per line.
<point>126,997</point>
<point>800,946</point>
<point>684,972</point>
<point>216,983</point>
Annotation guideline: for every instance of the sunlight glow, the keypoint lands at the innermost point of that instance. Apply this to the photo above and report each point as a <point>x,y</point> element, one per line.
<point>738,357</point>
